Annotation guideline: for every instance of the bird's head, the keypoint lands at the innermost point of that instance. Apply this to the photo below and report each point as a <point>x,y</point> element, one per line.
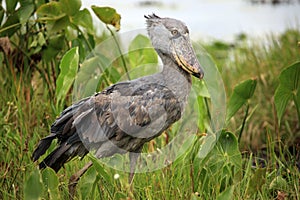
<point>170,37</point>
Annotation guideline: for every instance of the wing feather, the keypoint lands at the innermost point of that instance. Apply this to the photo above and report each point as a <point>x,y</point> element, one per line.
<point>121,118</point>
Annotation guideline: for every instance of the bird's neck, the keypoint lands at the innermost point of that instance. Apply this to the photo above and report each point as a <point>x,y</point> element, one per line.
<point>170,65</point>
<point>176,79</point>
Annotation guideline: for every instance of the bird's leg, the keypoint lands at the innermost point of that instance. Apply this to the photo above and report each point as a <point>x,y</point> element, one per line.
<point>133,156</point>
<point>75,178</point>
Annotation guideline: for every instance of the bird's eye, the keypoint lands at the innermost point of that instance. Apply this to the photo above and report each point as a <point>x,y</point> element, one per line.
<point>174,32</point>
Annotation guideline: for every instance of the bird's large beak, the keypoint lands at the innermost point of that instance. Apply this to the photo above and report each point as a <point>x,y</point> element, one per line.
<point>185,56</point>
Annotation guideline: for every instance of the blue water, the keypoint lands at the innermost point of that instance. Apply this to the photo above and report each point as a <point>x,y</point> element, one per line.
<point>210,19</point>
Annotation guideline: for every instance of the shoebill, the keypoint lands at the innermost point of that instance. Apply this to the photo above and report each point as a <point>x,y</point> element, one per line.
<point>126,115</point>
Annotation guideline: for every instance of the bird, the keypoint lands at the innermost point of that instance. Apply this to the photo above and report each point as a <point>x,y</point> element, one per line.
<point>124,116</point>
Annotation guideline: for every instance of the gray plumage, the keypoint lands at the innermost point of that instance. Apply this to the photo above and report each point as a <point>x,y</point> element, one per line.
<point>125,116</point>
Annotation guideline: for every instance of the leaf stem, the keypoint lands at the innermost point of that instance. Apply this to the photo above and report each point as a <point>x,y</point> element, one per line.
<point>10,27</point>
<point>86,40</point>
<point>120,52</point>
<point>244,123</point>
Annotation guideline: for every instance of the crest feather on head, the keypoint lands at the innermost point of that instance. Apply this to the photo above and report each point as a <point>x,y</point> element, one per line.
<point>152,20</point>
<point>153,16</point>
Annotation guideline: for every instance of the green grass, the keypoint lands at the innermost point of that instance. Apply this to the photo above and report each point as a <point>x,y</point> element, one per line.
<point>263,60</point>
<point>268,166</point>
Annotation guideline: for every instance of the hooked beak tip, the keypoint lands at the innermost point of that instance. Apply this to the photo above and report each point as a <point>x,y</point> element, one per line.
<point>199,75</point>
<point>198,71</point>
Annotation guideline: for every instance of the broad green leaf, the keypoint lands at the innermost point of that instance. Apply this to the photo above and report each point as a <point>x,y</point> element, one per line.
<point>51,182</point>
<point>186,145</point>
<point>2,11</point>
<point>281,99</point>
<point>214,84</point>
<point>77,42</point>
<point>83,18</point>
<point>38,3</point>
<point>33,186</point>
<point>225,155</point>
<point>70,7</point>
<point>10,26</point>
<point>226,150</point>
<point>85,47</point>
<point>90,87</point>
<point>221,165</point>
<point>24,12</point>
<point>288,89</point>
<point>41,39</point>
<point>217,105</point>
<point>240,96</point>
<point>91,40</point>
<point>34,42</point>
<point>11,5</point>
<point>68,70</point>
<point>115,160</point>
<point>50,11</point>
<point>229,144</point>
<point>108,15</point>
<point>90,67</point>
<point>290,77</point>
<point>25,2</point>
<point>113,74</point>
<point>141,52</point>
<point>89,76</point>
<point>86,182</point>
<point>56,44</point>
<point>226,194</point>
<point>59,24</point>
<point>201,88</point>
<point>100,170</point>
<point>207,145</point>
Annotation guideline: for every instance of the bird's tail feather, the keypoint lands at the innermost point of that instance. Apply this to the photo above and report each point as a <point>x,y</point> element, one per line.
<point>62,154</point>
<point>69,144</point>
<point>42,147</point>
<point>56,158</point>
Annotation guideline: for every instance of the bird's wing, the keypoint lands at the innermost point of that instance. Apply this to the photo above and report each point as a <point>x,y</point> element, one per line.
<point>126,110</point>
<point>122,112</point>
<point>147,111</point>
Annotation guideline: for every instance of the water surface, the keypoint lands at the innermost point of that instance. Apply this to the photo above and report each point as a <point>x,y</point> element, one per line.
<point>207,19</point>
